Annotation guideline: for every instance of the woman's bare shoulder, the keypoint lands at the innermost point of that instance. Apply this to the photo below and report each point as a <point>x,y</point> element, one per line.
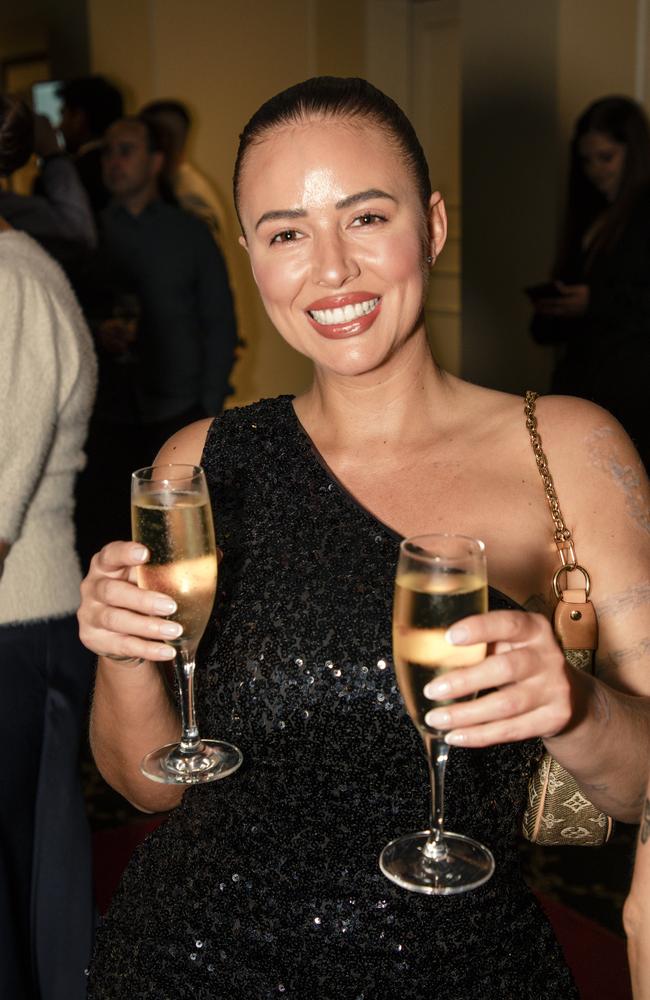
<point>186,446</point>
<point>593,462</point>
<point>575,428</point>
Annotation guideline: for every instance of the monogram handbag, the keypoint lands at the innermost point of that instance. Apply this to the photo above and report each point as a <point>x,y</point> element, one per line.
<point>557,812</point>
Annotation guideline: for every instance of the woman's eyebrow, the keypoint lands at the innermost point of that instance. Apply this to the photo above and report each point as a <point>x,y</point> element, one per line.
<point>281,213</point>
<point>353,199</point>
<point>300,213</point>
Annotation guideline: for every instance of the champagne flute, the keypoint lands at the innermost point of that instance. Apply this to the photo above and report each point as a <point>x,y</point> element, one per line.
<point>171,515</point>
<point>440,579</point>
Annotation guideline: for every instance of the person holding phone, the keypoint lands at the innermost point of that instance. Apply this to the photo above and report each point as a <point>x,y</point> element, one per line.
<point>58,214</point>
<point>598,316</point>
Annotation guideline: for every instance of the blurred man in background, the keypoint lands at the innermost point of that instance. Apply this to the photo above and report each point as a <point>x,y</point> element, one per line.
<point>163,317</point>
<point>192,189</point>
<point>186,332</point>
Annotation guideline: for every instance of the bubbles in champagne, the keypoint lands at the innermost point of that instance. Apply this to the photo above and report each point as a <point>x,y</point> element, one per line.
<point>177,529</point>
<point>424,608</point>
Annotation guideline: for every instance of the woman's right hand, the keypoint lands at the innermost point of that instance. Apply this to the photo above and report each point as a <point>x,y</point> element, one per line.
<point>116,618</point>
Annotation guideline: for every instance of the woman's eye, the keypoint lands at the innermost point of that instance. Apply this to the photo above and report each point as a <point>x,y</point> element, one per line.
<point>286,236</point>
<point>368,219</point>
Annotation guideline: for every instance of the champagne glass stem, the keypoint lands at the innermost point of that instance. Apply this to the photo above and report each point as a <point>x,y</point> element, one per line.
<point>184,670</point>
<point>437,750</point>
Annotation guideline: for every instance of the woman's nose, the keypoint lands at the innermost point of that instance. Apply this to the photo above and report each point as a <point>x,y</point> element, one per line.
<point>334,262</point>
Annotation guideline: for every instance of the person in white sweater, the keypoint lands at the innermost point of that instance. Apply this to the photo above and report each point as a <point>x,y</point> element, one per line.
<point>47,384</point>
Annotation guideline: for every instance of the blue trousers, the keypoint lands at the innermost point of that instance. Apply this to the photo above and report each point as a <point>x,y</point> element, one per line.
<point>46,898</point>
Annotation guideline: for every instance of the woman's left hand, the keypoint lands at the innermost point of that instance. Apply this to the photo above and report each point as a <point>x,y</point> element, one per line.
<point>533,696</point>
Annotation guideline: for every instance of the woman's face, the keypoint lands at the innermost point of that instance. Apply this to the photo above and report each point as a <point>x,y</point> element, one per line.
<point>335,231</point>
<point>603,160</point>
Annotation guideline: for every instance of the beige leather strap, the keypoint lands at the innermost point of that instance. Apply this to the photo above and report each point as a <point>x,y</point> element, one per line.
<point>575,623</point>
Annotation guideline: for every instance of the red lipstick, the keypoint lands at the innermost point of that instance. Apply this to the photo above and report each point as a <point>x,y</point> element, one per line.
<point>339,327</point>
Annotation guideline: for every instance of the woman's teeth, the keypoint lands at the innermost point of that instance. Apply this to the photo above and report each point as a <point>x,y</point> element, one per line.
<point>343,314</point>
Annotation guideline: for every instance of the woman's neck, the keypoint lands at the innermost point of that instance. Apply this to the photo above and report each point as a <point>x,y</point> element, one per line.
<point>403,401</point>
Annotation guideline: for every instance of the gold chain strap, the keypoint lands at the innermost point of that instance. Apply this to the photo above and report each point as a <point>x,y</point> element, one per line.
<point>562,536</point>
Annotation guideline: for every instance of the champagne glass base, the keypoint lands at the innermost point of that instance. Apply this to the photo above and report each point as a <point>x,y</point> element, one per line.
<point>466,864</point>
<point>212,759</point>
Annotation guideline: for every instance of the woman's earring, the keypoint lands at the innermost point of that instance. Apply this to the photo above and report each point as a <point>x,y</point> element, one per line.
<point>429,260</point>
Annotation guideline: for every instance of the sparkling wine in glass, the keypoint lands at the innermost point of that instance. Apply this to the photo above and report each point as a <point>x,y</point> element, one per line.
<point>171,515</point>
<point>440,579</point>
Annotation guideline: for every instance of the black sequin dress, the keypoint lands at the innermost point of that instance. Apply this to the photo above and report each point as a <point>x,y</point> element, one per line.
<point>266,885</point>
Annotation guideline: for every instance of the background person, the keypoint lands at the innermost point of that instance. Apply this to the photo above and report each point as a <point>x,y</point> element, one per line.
<point>269,883</point>
<point>47,378</point>
<point>90,105</point>
<point>601,314</point>
<point>187,331</point>
<point>59,216</point>
<point>191,188</point>
<point>167,363</point>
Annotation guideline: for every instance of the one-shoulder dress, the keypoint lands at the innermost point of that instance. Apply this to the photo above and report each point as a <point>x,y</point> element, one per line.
<point>267,884</point>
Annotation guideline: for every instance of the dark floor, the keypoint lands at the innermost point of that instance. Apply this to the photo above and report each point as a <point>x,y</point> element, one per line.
<point>592,881</point>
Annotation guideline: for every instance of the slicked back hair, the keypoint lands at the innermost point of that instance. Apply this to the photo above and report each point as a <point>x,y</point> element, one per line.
<point>330,98</point>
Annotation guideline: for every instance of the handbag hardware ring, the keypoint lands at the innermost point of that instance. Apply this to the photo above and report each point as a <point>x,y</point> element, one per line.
<point>569,568</point>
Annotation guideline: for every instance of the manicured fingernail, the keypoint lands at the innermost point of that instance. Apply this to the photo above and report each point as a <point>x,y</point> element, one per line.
<point>437,689</point>
<point>457,634</point>
<point>140,553</point>
<point>170,629</point>
<point>164,605</point>
<point>455,739</point>
<point>167,653</point>
<point>438,719</point>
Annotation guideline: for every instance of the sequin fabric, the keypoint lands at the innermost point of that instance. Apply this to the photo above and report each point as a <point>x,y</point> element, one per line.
<point>267,884</point>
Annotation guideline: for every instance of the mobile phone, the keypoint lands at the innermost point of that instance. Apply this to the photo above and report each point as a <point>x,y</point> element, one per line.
<point>545,290</point>
<point>46,101</point>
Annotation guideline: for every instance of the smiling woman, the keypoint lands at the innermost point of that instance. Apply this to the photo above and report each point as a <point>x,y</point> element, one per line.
<point>269,884</point>
<point>341,229</point>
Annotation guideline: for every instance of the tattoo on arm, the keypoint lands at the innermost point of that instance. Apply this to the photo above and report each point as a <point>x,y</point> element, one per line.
<point>617,658</point>
<point>630,479</point>
<point>644,832</point>
<point>626,600</point>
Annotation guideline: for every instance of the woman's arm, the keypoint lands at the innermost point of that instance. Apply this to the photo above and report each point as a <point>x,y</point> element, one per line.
<point>636,912</point>
<point>132,711</point>
<point>596,727</point>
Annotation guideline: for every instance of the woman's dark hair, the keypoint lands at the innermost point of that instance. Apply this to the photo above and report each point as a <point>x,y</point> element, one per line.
<point>337,98</point>
<point>16,134</point>
<point>623,120</point>
<point>100,101</point>
<point>168,106</point>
